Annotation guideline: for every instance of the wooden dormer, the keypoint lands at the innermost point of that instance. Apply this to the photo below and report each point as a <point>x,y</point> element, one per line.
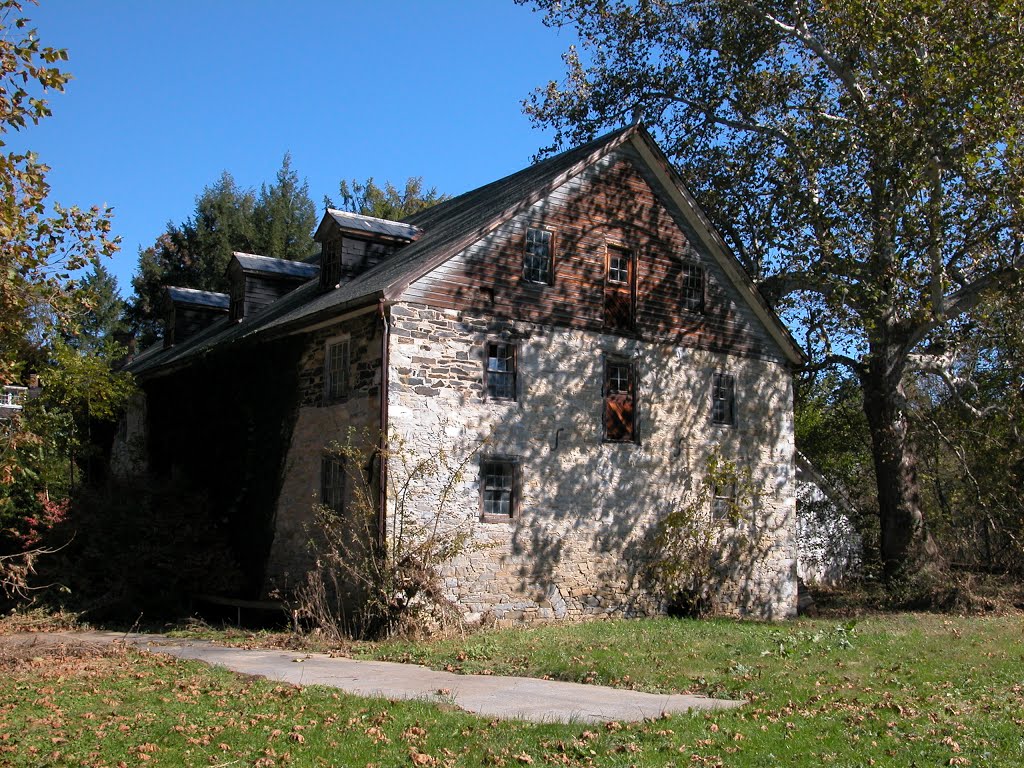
<point>351,244</point>
<point>188,311</point>
<point>257,281</point>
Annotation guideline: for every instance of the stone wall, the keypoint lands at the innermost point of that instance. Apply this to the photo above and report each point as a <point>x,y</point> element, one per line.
<point>128,455</point>
<point>577,547</point>
<point>320,423</point>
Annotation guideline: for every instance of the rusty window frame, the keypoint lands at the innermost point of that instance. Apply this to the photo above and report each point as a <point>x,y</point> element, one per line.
<point>499,488</point>
<point>619,412</point>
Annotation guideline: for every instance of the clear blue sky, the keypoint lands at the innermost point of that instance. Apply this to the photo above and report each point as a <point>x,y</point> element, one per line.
<point>166,95</point>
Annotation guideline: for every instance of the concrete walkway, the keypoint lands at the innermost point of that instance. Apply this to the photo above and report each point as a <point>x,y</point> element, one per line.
<point>518,698</point>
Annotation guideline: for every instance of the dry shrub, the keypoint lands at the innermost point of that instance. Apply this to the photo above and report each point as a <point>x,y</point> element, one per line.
<point>363,587</point>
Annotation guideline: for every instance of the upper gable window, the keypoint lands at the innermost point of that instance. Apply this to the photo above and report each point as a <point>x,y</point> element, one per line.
<point>500,370</point>
<point>336,365</point>
<point>538,255</point>
<point>330,263</point>
<point>723,399</point>
<point>619,401</point>
<point>619,263</point>
<point>693,287</point>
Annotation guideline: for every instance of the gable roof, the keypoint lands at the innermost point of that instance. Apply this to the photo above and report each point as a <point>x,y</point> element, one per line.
<point>196,298</point>
<point>267,265</point>
<point>447,228</point>
<point>357,224</point>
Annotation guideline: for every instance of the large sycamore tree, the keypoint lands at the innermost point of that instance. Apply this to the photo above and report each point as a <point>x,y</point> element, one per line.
<point>862,157</point>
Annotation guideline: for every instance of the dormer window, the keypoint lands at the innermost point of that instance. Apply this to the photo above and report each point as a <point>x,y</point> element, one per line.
<point>330,263</point>
<point>237,308</point>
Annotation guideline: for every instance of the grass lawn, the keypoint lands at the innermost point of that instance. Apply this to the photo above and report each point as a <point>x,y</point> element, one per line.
<point>893,690</point>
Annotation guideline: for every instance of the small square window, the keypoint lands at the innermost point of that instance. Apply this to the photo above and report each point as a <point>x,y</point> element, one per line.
<point>619,402</point>
<point>336,365</point>
<point>500,370</point>
<point>693,287</point>
<point>618,265</point>
<point>498,487</point>
<point>723,399</point>
<point>332,483</point>
<point>537,258</point>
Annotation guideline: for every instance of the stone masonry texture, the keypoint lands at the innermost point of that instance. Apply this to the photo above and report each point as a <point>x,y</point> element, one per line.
<point>577,547</point>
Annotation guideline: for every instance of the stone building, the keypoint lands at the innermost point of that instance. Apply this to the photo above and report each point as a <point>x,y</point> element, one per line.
<point>575,335</point>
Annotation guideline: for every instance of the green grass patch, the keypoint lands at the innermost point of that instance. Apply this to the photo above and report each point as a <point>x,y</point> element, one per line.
<point>897,690</point>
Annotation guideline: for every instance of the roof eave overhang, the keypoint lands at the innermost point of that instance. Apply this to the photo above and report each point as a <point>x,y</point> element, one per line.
<point>335,314</point>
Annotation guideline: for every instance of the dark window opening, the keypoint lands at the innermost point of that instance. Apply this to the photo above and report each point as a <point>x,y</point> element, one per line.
<point>723,399</point>
<point>500,371</point>
<point>498,487</point>
<point>332,484</point>
<point>619,402</point>
<point>237,308</point>
<point>693,287</point>
<point>537,259</point>
<point>330,263</point>
<point>336,365</point>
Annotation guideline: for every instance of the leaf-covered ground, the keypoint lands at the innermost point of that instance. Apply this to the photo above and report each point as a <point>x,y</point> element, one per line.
<point>894,690</point>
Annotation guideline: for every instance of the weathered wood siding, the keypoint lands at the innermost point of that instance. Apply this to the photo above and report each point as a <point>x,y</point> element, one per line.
<point>261,291</point>
<point>610,203</point>
<point>188,321</point>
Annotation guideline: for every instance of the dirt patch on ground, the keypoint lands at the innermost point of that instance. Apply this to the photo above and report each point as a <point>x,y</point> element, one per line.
<point>56,654</point>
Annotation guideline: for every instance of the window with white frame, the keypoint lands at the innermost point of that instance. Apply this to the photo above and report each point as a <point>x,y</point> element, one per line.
<point>336,368</point>
<point>723,503</point>
<point>538,256</point>
<point>693,287</point>
<point>500,370</point>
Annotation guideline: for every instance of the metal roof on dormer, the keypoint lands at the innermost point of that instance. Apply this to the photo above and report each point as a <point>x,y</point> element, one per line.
<point>368,226</point>
<point>267,265</point>
<point>198,298</point>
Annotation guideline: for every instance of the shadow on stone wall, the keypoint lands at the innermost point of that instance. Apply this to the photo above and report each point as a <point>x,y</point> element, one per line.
<point>583,539</point>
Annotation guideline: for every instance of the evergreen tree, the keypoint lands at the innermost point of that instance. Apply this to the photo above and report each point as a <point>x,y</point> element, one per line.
<point>387,202</point>
<point>102,319</point>
<point>284,216</point>
<point>227,218</point>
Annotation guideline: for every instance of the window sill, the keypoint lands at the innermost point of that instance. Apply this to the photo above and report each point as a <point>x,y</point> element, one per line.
<point>485,518</point>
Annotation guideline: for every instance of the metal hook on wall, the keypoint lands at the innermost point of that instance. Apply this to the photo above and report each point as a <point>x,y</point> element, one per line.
<point>557,433</point>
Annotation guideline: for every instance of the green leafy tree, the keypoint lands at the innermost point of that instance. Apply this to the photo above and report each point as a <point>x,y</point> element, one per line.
<point>863,159</point>
<point>387,202</point>
<point>42,246</point>
<point>284,216</point>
